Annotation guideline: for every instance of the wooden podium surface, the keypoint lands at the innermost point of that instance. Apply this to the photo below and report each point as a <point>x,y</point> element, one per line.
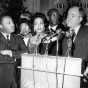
<point>50,71</point>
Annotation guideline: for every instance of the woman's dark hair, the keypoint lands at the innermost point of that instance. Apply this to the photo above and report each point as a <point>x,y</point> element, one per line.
<point>40,15</point>
<point>24,21</point>
<point>26,15</point>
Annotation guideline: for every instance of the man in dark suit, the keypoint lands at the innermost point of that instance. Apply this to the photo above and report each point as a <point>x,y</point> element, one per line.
<point>78,45</point>
<point>11,48</point>
<point>54,27</point>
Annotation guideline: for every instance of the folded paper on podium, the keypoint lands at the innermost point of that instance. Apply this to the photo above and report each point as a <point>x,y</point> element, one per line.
<point>50,71</point>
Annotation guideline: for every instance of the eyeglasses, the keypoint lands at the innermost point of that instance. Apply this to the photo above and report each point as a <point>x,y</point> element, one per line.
<point>73,16</point>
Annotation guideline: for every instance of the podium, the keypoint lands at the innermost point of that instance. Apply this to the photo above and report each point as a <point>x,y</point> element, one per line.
<point>50,71</point>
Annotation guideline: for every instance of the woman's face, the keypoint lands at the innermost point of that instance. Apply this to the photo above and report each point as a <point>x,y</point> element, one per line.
<point>24,28</point>
<point>39,25</point>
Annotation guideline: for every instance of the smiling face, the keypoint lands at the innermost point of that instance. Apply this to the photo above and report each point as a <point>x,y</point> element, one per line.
<point>38,25</point>
<point>73,18</point>
<point>7,24</point>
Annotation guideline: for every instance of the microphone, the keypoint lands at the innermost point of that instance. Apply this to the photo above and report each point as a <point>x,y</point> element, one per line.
<point>46,38</point>
<point>69,43</point>
<point>85,78</point>
<point>70,33</point>
<point>69,47</point>
<point>53,37</point>
<point>24,34</point>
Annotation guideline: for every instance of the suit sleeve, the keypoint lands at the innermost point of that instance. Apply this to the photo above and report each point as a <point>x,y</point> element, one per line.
<point>19,48</point>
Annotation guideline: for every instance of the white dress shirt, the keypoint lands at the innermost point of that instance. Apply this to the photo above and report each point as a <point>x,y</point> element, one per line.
<point>26,40</point>
<point>5,35</point>
<point>76,30</point>
<point>53,27</point>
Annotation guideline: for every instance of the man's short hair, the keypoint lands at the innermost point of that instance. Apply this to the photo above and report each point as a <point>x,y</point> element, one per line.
<point>49,13</point>
<point>4,15</point>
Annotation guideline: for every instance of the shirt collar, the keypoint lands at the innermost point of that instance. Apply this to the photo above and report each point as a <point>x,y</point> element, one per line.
<point>54,27</point>
<point>5,35</point>
<point>26,40</point>
<point>76,29</point>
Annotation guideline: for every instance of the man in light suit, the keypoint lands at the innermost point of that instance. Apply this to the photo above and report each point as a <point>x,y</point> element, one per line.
<point>79,48</point>
<point>10,49</point>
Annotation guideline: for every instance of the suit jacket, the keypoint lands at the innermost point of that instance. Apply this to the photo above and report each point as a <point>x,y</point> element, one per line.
<point>80,49</point>
<point>31,48</point>
<point>52,49</point>
<point>7,79</point>
<point>24,47</point>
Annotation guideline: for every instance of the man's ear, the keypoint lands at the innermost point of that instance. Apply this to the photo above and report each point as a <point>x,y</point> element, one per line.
<point>81,19</point>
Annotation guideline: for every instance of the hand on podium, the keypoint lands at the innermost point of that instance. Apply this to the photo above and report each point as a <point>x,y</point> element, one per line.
<point>6,52</point>
<point>85,75</point>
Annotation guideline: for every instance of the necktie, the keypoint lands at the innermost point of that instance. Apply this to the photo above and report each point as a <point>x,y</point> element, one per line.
<point>73,36</point>
<point>73,43</point>
<point>8,42</point>
<point>28,46</point>
<point>7,36</point>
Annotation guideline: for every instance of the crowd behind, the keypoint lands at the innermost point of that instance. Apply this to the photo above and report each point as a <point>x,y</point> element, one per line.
<point>40,34</point>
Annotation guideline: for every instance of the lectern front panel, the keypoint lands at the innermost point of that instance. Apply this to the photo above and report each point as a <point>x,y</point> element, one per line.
<point>50,72</point>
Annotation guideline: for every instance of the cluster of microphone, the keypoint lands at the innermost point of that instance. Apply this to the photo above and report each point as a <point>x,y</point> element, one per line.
<point>69,35</point>
<point>70,38</point>
<point>24,34</point>
<point>57,34</point>
<point>53,36</point>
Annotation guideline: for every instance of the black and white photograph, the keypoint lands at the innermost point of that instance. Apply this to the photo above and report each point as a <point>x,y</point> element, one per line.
<point>43,43</point>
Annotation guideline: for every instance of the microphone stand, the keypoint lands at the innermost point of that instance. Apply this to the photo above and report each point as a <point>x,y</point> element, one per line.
<point>46,49</point>
<point>69,45</point>
<point>57,63</point>
<point>57,49</point>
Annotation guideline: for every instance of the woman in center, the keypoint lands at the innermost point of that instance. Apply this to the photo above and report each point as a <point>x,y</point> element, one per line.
<point>36,46</point>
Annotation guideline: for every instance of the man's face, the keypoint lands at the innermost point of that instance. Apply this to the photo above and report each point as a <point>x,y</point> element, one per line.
<point>54,18</point>
<point>73,18</point>
<point>39,25</point>
<point>7,24</point>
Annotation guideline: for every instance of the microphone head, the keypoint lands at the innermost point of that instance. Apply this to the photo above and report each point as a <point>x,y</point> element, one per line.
<point>69,33</point>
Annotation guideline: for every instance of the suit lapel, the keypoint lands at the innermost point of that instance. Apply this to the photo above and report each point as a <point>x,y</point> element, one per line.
<point>78,35</point>
<point>24,43</point>
<point>2,37</point>
<point>77,40</point>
